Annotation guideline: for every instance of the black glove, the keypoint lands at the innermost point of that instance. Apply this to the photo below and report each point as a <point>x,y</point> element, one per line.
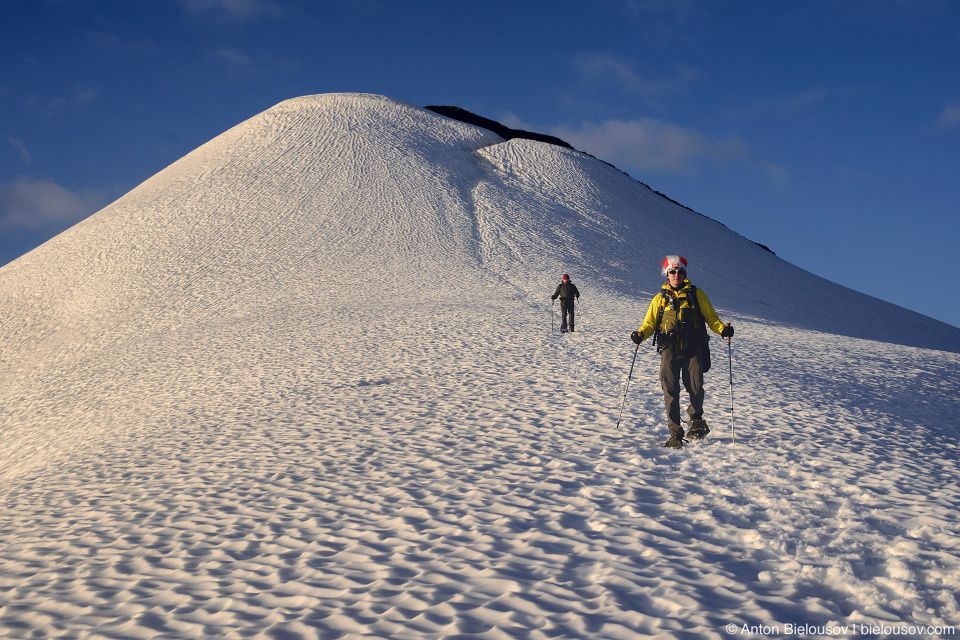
<point>727,332</point>
<point>636,337</point>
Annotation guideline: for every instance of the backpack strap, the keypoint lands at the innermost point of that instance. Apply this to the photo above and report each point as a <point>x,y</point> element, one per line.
<point>656,331</point>
<point>656,328</point>
<point>695,304</point>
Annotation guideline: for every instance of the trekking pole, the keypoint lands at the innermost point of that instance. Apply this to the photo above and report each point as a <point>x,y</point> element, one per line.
<point>627,386</point>
<point>733,434</point>
<point>552,323</point>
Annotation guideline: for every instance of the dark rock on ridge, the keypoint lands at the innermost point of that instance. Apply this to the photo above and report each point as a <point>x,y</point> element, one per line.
<point>462,115</point>
<point>456,113</point>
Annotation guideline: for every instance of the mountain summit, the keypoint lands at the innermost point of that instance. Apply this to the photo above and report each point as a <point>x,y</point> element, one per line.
<point>352,189</point>
<point>302,384</point>
<point>327,202</point>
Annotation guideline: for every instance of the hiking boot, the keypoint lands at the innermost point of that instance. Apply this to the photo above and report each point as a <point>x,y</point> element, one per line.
<point>675,442</point>
<point>698,429</point>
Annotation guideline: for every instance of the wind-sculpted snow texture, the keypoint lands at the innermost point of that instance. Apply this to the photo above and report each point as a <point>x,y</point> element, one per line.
<point>302,384</point>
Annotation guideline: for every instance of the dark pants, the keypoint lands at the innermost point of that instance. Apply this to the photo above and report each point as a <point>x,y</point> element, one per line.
<point>675,369</point>
<point>566,309</point>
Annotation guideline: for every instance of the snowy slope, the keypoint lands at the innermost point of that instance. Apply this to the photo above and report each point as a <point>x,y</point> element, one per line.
<point>302,383</point>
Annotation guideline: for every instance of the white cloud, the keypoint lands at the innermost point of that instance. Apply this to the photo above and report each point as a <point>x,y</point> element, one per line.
<point>233,58</point>
<point>50,107</point>
<point>509,119</point>
<point>789,105</point>
<point>607,67</point>
<point>123,46</point>
<point>660,22</point>
<point>237,9</point>
<point>949,117</point>
<point>777,175</point>
<point>39,204</point>
<point>22,150</point>
<point>86,95</point>
<point>679,11</point>
<point>651,145</point>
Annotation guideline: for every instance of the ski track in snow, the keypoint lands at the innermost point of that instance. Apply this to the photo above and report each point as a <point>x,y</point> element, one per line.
<point>389,442</point>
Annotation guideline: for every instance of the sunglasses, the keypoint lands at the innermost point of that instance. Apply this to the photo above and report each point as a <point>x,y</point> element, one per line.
<point>674,272</point>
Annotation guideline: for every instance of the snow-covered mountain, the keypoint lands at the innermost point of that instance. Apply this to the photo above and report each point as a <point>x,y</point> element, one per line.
<point>302,383</point>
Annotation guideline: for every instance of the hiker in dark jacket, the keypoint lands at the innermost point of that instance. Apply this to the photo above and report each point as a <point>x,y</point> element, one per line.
<point>567,292</point>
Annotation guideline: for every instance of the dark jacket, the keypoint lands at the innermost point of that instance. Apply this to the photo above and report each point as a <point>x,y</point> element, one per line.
<point>566,291</point>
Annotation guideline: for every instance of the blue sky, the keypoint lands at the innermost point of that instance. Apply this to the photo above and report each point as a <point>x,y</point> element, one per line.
<point>827,130</point>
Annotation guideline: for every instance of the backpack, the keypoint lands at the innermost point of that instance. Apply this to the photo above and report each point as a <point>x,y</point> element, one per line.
<point>675,329</point>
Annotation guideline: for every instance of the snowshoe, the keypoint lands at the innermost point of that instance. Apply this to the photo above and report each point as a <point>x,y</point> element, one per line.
<point>675,442</point>
<point>698,429</point>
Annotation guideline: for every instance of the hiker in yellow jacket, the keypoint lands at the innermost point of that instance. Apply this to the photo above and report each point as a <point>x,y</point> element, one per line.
<point>677,319</point>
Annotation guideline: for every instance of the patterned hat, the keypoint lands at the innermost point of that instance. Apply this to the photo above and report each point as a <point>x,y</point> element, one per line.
<point>674,262</point>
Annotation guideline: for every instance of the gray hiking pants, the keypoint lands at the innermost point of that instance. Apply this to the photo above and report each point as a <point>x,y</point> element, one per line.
<point>675,369</point>
<point>567,313</point>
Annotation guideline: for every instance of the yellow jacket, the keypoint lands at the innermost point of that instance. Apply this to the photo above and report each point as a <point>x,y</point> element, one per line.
<point>668,293</point>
